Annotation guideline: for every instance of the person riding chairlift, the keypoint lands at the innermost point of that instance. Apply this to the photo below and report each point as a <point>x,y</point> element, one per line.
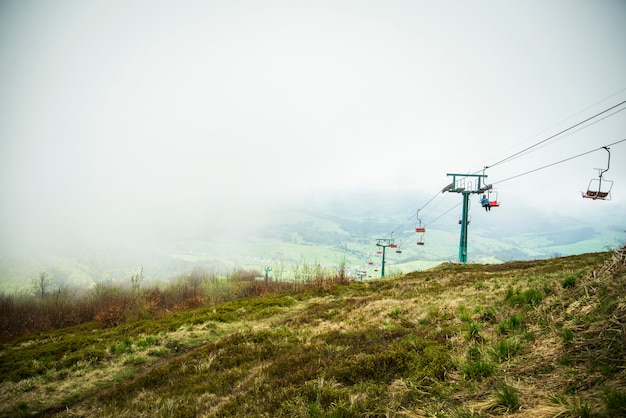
<point>485,203</point>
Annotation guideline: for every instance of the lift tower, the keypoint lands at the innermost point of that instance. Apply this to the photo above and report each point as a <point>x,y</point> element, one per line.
<point>466,188</point>
<point>383,242</point>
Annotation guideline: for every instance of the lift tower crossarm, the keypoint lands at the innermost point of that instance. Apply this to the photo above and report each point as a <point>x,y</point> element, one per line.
<point>458,186</point>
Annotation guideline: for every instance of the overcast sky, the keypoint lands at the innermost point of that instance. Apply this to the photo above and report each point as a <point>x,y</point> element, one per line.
<point>119,113</point>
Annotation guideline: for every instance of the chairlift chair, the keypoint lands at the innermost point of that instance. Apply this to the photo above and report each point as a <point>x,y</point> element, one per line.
<point>420,240</point>
<point>396,247</point>
<point>600,188</point>
<point>492,195</point>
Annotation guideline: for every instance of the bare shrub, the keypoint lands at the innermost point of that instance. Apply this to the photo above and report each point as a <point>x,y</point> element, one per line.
<point>111,316</point>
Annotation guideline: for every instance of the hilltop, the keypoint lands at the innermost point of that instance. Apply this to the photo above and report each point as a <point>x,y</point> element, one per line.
<point>541,338</point>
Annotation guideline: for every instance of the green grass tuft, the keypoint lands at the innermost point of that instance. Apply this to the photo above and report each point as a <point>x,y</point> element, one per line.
<point>505,349</point>
<point>507,397</point>
<point>528,298</point>
<point>615,403</point>
<point>478,369</point>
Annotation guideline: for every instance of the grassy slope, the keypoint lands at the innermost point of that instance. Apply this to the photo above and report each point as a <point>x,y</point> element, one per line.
<point>537,338</point>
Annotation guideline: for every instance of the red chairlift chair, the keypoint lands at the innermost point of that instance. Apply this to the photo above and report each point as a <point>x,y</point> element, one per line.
<point>493,198</point>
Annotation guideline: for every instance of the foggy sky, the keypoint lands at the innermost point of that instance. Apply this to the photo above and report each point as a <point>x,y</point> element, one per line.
<point>125,120</point>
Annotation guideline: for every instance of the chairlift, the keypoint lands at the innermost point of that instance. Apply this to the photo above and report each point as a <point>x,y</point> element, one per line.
<point>491,197</point>
<point>469,220</point>
<point>600,188</point>
<point>420,240</point>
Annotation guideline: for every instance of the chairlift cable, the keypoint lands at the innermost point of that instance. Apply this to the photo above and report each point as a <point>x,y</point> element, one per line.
<point>443,214</point>
<point>559,162</point>
<point>413,214</point>
<point>431,199</point>
<point>579,129</point>
<point>517,154</point>
<point>403,223</point>
<point>574,115</point>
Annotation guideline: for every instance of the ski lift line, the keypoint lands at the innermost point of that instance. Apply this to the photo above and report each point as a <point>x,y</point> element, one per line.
<point>443,214</point>
<point>429,201</point>
<point>581,111</point>
<point>403,223</point>
<point>524,151</point>
<point>555,135</point>
<point>558,162</point>
<point>413,214</point>
<point>566,119</point>
<point>573,116</point>
<point>572,132</point>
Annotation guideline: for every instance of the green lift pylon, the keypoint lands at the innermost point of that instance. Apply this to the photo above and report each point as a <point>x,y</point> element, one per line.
<point>383,242</point>
<point>466,189</point>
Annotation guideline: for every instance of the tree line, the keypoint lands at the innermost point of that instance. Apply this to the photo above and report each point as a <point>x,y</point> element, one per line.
<point>49,306</point>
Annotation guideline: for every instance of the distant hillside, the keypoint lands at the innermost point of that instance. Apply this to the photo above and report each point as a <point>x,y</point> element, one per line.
<point>541,338</point>
<point>329,231</point>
